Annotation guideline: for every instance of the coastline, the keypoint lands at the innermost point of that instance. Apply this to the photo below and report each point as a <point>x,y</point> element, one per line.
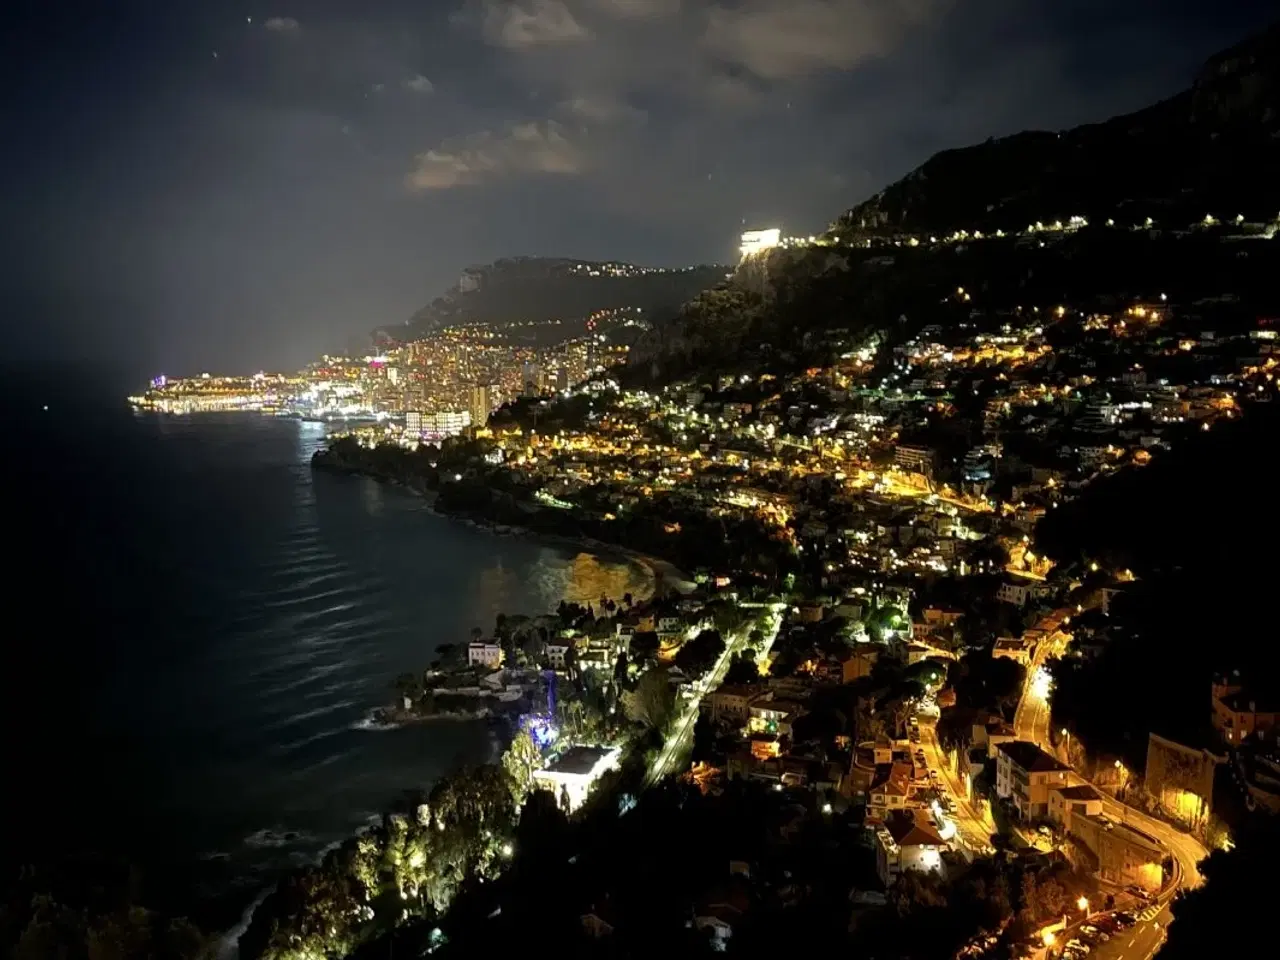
<point>660,570</point>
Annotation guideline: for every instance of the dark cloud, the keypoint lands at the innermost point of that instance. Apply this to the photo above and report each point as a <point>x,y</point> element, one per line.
<point>530,23</point>
<point>324,177</point>
<point>527,148</point>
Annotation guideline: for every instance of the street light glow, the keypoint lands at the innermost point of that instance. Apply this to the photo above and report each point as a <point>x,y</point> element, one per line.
<point>1083,904</point>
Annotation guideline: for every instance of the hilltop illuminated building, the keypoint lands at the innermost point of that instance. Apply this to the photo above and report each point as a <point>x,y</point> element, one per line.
<point>758,241</point>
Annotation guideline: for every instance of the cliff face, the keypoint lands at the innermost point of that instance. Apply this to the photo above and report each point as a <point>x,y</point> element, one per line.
<point>1241,85</point>
<point>536,288</point>
<point>721,319</point>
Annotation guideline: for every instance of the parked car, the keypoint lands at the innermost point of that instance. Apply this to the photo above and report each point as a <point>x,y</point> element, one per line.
<point>1106,923</point>
<point>1125,920</point>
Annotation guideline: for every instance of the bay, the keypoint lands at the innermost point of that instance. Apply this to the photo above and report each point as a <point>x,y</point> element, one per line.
<point>211,625</point>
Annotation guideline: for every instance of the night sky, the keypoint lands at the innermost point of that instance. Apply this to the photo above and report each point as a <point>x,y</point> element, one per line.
<point>236,185</point>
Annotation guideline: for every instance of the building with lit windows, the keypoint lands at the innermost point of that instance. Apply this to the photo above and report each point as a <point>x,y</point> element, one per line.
<point>446,423</point>
<point>480,406</point>
<point>1025,774</point>
<point>481,654</point>
<point>1239,712</point>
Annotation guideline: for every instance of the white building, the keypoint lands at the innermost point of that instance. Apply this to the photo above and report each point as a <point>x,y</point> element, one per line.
<point>1011,591</point>
<point>485,654</point>
<point>558,652</point>
<point>413,423</point>
<point>571,777</point>
<point>908,841</point>
<point>758,241</point>
<point>446,423</point>
<point>1026,775</point>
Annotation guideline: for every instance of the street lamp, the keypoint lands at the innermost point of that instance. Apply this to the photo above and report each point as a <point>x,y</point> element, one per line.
<point>1083,904</point>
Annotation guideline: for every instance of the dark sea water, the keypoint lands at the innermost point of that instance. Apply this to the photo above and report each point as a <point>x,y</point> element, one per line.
<point>201,627</point>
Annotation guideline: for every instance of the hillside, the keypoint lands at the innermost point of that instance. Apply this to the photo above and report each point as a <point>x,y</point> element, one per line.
<point>1211,149</point>
<point>997,218</point>
<point>539,288</point>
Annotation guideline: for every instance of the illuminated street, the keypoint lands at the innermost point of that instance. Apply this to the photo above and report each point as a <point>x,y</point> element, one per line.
<point>1033,722</point>
<point>676,749</point>
<point>974,828</point>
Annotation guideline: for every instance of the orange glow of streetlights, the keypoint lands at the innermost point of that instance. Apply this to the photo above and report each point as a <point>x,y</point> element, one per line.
<point>1048,938</point>
<point>1083,904</point>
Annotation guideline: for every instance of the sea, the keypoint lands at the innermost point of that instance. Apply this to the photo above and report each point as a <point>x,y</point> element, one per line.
<point>201,628</point>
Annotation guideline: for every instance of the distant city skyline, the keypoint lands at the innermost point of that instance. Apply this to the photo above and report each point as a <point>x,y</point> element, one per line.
<point>204,187</point>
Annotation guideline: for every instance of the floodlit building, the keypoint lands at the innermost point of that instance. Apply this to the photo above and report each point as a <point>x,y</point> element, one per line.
<point>413,423</point>
<point>908,841</point>
<point>572,776</point>
<point>758,241</point>
<point>484,654</point>
<point>558,653</point>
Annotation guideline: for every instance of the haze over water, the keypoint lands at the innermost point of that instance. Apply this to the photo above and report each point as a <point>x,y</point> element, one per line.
<point>221,623</point>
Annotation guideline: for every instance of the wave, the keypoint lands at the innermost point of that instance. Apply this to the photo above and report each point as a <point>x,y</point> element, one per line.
<point>376,722</point>
<point>270,838</point>
<point>228,947</point>
<point>300,593</point>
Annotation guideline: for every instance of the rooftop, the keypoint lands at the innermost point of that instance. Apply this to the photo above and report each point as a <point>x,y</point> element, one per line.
<point>913,829</point>
<point>1081,791</point>
<point>1030,757</point>
<point>579,761</point>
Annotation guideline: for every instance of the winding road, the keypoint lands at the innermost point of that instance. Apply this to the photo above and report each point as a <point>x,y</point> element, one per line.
<point>1033,721</point>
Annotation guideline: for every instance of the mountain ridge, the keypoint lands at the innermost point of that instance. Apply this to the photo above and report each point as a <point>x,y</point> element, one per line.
<point>1117,188</point>
<point>513,289</point>
<point>1210,147</point>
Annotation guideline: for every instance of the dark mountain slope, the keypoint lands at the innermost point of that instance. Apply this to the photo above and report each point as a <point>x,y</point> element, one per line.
<point>1214,148</point>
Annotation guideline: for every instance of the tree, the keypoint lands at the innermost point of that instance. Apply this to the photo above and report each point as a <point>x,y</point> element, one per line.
<point>520,761</point>
<point>699,655</point>
<point>652,701</point>
<point>1234,887</point>
<point>742,669</point>
<point>643,646</point>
